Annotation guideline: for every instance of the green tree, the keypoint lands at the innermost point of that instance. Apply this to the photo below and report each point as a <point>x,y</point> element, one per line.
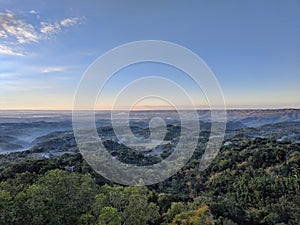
<point>176,208</point>
<point>139,211</point>
<point>58,197</point>
<point>133,203</point>
<point>5,207</point>
<point>109,216</point>
<point>200,216</point>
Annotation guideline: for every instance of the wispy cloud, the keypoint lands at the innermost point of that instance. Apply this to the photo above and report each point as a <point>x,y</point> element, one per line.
<point>53,69</point>
<point>6,76</point>
<point>8,51</point>
<point>3,34</point>
<point>33,11</point>
<point>15,31</point>
<point>25,85</point>
<point>48,29</point>
<point>52,28</point>
<point>70,21</point>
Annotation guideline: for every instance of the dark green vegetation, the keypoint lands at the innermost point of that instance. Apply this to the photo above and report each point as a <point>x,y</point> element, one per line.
<point>250,182</point>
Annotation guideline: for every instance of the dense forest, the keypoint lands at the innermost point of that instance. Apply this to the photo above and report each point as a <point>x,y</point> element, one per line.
<point>250,182</point>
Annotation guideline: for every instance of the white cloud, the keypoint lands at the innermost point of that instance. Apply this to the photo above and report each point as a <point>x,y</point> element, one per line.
<point>47,28</point>
<point>8,76</point>
<point>3,34</point>
<point>8,51</point>
<point>70,22</point>
<point>33,11</point>
<point>16,28</point>
<point>52,69</point>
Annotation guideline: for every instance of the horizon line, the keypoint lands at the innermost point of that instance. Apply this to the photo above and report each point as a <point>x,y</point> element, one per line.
<point>198,109</point>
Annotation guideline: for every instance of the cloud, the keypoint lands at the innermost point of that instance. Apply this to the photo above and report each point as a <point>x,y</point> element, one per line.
<point>3,34</point>
<point>33,11</point>
<point>8,51</point>
<point>52,69</point>
<point>17,29</point>
<point>47,28</point>
<point>4,75</point>
<point>70,21</point>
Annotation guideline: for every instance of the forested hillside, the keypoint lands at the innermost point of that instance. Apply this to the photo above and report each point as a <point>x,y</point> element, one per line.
<point>250,182</point>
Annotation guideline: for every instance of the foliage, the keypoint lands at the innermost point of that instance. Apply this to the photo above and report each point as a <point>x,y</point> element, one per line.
<point>251,182</point>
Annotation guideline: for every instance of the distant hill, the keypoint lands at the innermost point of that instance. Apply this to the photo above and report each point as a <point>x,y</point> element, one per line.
<point>18,134</point>
<point>255,118</point>
<point>283,131</point>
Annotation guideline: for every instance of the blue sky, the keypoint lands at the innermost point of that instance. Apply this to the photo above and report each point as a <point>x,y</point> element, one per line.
<point>253,48</point>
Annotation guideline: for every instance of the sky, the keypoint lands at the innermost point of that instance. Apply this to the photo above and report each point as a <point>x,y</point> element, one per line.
<point>252,47</point>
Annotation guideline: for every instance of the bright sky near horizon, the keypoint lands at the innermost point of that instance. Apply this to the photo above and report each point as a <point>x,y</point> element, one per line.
<point>253,48</point>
